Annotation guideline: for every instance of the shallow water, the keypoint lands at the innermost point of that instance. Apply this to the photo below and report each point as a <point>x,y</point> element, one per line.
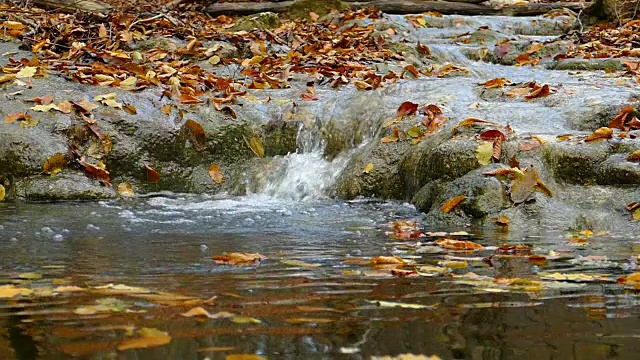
<point>165,243</point>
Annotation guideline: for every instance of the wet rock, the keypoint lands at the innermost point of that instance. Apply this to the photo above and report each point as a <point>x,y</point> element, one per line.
<point>301,8</point>
<point>616,170</point>
<point>588,64</point>
<point>424,199</point>
<point>576,163</point>
<point>261,21</point>
<point>485,195</point>
<point>65,186</point>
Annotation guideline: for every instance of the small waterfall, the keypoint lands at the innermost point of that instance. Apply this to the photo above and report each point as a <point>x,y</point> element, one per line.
<point>305,174</point>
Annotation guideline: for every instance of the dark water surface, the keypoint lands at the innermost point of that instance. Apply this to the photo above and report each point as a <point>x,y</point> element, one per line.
<point>340,308</point>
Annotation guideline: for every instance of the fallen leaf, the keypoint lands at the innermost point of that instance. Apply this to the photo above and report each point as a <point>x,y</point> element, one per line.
<point>523,186</point>
<point>216,174</point>
<point>534,48</point>
<point>10,291</point>
<point>244,357</point>
<point>502,220</point>
<point>238,259</point>
<point>459,245</point>
<point>368,168</point>
<point>195,134</point>
<point>26,72</point>
<point>65,107</point>
<point>125,190</point>
<point>492,135</point>
<point>530,145</point>
<point>309,321</point>
<point>130,109</point>
<point>498,172</point>
<point>96,172</point>
<point>468,122</point>
<point>189,99</point>
<point>393,304</point>
<point>601,133</point>
<point>406,108</point>
<point>387,260</point>
<point>634,156</point>
<point>495,83</point>
<point>618,122</point>
<point>245,320</point>
<point>153,177</point>
<point>54,164</point>
<point>305,308</point>
<point>149,338</point>
<point>391,138</point>
<point>200,312</point>
<point>255,144</point>
<point>45,108</point>
<point>452,203</point>
<point>3,193</point>
<point>484,153</point>
<point>13,117</point>
<point>298,263</point>
<point>497,150</point>
<point>539,92</point>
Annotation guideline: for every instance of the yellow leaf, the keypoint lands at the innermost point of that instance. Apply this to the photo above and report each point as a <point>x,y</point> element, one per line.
<point>2,193</point>
<point>109,96</point>
<point>26,72</point>
<point>149,338</point>
<point>112,103</point>
<point>394,304</point>
<point>45,108</point>
<point>30,276</point>
<point>102,31</point>
<point>484,152</point>
<point>299,263</point>
<point>214,60</point>
<point>128,84</point>
<point>216,174</point>
<point>55,164</point>
<point>421,21</point>
<point>255,144</point>
<point>126,190</point>
<point>368,169</point>
<point>9,291</point>
<point>245,320</point>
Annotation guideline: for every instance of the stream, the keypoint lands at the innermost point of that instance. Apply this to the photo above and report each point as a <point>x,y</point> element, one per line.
<point>148,261</point>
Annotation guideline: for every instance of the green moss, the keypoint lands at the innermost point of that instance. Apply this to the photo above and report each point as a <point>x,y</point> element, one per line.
<point>261,21</point>
<point>301,9</point>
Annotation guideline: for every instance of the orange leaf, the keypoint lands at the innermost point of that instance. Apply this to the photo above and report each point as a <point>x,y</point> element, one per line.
<point>391,138</point>
<point>189,99</point>
<point>195,134</point>
<point>498,172</point>
<point>452,203</point>
<point>387,260</point>
<point>540,92</point>
<point>458,244</point>
<point>601,133</point>
<point>619,121</point>
<point>496,83</point>
<point>216,174</point>
<point>238,259</point>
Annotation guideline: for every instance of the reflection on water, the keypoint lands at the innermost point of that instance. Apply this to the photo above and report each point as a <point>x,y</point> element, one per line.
<point>334,310</point>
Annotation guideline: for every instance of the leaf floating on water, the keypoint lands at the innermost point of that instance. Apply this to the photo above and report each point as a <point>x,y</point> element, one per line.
<point>153,177</point>
<point>148,338</point>
<point>484,153</point>
<point>453,264</point>
<point>299,263</point>
<point>125,190</point>
<point>238,259</point>
<point>304,308</point>
<point>387,260</point>
<point>407,357</point>
<point>458,245</point>
<point>9,291</point>
<point>245,357</point>
<point>202,313</point>
<point>30,276</point>
<point>452,203</point>
<point>296,321</point>
<point>573,277</point>
<point>245,320</point>
<point>54,164</point>
<point>393,304</point>
<point>255,144</point>
<point>216,174</point>
<point>368,169</point>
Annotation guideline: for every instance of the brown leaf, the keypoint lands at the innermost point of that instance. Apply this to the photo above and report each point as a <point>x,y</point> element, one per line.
<point>539,92</point>
<point>410,69</point>
<point>189,99</point>
<point>130,109</point>
<point>153,339</point>
<point>407,108</point>
<point>502,220</point>
<point>452,203</point>
<point>391,138</point>
<point>13,117</point>
<point>523,186</point>
<point>424,50</point>
<point>513,162</point>
<point>529,145</point>
<point>238,259</point>
<point>195,134</point>
<point>96,172</point>
<point>601,133</point>
<point>153,177</point>
<point>458,245</point>
<point>468,122</point>
<point>216,174</point>
<point>493,135</point>
<point>498,172</point>
<point>534,48</point>
<point>497,149</point>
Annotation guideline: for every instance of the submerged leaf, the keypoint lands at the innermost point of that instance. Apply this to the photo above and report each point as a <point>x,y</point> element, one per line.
<point>148,338</point>
<point>458,244</point>
<point>238,259</point>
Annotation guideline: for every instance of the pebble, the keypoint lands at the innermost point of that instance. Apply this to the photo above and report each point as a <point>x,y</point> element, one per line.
<point>58,237</point>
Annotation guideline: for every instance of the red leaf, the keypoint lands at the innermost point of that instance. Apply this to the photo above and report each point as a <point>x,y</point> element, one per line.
<point>491,135</point>
<point>153,177</point>
<point>407,108</point>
